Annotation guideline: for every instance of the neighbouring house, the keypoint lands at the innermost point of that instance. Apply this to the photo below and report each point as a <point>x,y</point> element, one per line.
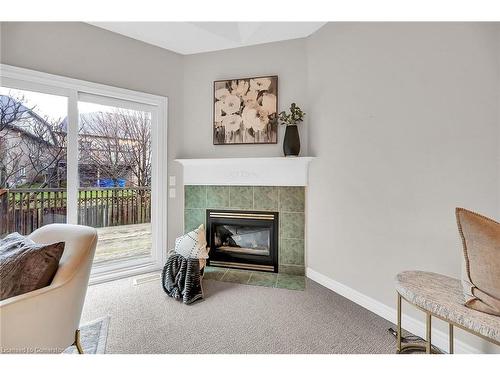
<point>32,151</point>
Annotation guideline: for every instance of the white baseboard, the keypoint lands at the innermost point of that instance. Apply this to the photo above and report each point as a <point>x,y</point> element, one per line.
<point>415,326</point>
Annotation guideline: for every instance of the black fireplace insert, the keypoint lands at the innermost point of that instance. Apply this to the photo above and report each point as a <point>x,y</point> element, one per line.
<point>243,239</point>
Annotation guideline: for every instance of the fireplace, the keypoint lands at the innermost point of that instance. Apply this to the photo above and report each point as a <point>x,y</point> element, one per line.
<point>243,239</point>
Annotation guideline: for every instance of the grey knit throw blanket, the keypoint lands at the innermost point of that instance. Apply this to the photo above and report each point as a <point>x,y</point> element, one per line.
<point>181,278</point>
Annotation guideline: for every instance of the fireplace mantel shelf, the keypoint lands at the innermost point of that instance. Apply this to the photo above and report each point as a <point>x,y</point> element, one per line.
<point>273,171</point>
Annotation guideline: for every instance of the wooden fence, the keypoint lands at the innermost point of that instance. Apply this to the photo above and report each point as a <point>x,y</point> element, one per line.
<point>24,210</point>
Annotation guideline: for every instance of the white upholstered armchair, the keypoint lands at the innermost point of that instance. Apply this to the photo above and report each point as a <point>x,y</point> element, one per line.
<point>47,319</point>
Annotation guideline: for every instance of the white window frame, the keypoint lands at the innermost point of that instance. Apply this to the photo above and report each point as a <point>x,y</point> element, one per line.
<point>73,89</point>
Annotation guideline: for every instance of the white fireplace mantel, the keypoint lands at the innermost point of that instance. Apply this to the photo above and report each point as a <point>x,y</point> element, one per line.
<point>275,171</point>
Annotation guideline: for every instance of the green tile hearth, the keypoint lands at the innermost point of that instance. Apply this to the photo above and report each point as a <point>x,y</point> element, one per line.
<point>256,278</point>
<point>290,282</point>
<point>214,273</point>
<point>263,279</point>
<point>291,269</point>
<point>237,276</point>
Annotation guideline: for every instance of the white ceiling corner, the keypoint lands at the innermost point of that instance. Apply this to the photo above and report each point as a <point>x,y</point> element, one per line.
<point>197,37</point>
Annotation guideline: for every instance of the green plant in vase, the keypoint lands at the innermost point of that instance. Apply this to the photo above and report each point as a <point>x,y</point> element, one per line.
<point>291,143</point>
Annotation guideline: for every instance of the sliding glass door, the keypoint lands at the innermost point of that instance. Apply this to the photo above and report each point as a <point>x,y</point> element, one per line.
<point>115,177</point>
<point>82,153</point>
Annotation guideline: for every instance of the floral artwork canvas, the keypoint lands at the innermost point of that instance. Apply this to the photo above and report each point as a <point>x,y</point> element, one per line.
<point>245,111</point>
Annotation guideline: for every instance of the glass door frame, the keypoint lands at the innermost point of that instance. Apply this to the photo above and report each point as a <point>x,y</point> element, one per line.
<point>73,89</point>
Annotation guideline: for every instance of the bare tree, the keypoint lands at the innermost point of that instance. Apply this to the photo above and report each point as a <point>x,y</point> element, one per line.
<point>11,110</point>
<point>45,152</point>
<point>137,129</point>
<point>101,151</point>
<point>118,145</point>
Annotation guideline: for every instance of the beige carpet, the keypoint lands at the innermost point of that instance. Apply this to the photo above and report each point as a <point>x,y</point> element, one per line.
<point>235,318</point>
<point>93,336</point>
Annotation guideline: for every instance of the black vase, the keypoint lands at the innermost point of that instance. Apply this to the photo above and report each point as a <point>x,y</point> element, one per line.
<point>291,143</point>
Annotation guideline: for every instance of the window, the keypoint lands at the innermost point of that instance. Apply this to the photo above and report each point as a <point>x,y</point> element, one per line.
<point>22,172</point>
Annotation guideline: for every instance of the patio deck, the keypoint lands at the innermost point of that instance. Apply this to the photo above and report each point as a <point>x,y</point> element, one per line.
<point>123,242</point>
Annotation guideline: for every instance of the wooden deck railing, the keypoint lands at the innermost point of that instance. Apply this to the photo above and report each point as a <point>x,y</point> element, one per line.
<point>24,210</point>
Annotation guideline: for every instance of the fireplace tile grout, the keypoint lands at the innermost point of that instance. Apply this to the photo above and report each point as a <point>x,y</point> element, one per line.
<point>253,197</point>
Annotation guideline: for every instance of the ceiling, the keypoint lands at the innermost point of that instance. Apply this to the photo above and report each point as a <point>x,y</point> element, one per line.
<point>195,37</point>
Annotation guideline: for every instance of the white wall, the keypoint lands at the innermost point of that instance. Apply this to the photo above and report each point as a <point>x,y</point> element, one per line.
<point>286,59</point>
<point>498,119</point>
<point>404,121</point>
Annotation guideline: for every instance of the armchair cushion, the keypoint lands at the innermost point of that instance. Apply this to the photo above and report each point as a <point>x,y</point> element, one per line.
<point>25,265</point>
<point>481,246</point>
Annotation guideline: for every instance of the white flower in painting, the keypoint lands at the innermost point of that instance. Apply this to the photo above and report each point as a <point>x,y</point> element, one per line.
<point>218,111</point>
<point>263,117</point>
<point>221,94</point>
<point>239,87</point>
<point>231,122</point>
<point>269,103</point>
<point>255,117</point>
<point>231,104</point>
<point>260,84</point>
<point>250,118</point>
<point>250,99</point>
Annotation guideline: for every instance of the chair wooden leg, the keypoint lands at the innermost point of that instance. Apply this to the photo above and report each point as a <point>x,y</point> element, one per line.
<point>428,344</point>
<point>398,349</point>
<point>450,334</point>
<point>77,342</point>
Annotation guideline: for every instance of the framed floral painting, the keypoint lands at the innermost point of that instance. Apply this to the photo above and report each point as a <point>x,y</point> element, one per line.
<point>245,111</point>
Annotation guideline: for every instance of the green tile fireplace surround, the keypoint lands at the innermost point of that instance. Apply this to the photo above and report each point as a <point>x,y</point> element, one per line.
<point>288,201</point>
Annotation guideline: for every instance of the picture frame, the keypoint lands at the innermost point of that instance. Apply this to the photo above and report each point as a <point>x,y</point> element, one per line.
<point>245,111</point>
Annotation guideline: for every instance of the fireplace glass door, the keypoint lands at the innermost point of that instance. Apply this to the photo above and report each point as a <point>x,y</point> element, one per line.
<point>243,239</point>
